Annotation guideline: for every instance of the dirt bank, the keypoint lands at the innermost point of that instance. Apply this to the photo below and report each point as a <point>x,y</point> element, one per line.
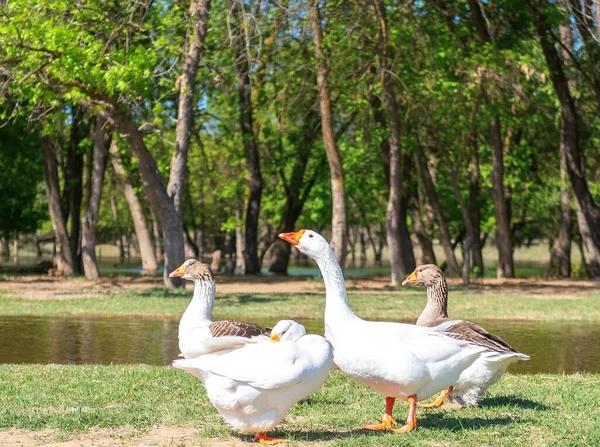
<point>44,287</point>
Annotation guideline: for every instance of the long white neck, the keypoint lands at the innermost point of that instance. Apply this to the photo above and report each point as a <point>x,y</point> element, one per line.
<point>336,300</point>
<point>199,311</point>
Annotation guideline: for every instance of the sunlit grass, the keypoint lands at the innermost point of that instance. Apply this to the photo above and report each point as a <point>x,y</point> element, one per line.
<point>534,410</point>
<point>405,304</point>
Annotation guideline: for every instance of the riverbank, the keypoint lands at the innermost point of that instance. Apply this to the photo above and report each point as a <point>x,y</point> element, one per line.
<point>151,405</point>
<point>267,297</point>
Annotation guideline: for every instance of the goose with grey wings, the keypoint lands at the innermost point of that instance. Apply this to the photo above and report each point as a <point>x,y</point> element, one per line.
<point>493,362</point>
<point>197,330</point>
<point>399,361</point>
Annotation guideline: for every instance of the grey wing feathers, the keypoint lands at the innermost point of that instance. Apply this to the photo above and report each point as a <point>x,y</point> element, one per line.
<point>236,328</point>
<point>471,332</point>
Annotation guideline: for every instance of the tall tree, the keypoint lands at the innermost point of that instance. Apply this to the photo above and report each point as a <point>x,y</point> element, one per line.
<point>63,258</point>
<point>73,188</point>
<point>251,259</point>
<point>89,222</point>
<point>506,268</point>
<point>147,253</point>
<point>400,247</point>
<point>198,12</point>
<point>445,238</point>
<point>120,78</point>
<point>338,224</point>
<point>569,120</point>
<point>560,255</point>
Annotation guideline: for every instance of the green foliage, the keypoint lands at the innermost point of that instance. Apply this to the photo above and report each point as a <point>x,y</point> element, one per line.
<point>59,52</point>
<point>21,183</point>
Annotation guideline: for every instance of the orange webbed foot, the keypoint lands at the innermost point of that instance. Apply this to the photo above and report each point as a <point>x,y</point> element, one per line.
<point>386,424</point>
<point>411,420</point>
<point>405,429</point>
<point>262,438</point>
<point>439,401</point>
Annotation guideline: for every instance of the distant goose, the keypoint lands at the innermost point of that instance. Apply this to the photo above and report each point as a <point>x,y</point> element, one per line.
<point>254,385</point>
<point>489,367</point>
<point>399,361</point>
<point>197,331</point>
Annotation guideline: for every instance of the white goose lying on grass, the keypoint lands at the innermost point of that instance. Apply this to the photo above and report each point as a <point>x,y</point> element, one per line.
<point>254,385</point>
<point>197,331</point>
<point>489,367</point>
<point>399,361</point>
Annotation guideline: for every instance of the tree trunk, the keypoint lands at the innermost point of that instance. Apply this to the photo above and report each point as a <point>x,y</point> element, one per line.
<point>74,186</point>
<point>239,242</point>
<point>63,258</point>
<point>149,264</point>
<point>506,268</point>
<point>591,262</point>
<point>474,192</point>
<point>569,120</point>
<point>15,253</point>
<point>427,253</point>
<point>156,237</point>
<point>363,249</point>
<point>395,223</point>
<point>4,248</point>
<point>468,242</point>
<point>338,225</point>
<point>199,10</point>
<point>560,255</point>
<point>445,238</point>
<point>90,221</point>
<point>120,241</point>
<point>251,259</point>
<point>297,191</point>
<point>155,191</point>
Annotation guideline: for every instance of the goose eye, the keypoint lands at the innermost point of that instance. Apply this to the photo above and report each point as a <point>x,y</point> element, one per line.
<point>310,235</point>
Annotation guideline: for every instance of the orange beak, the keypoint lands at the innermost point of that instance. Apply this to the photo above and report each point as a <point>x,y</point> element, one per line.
<point>410,279</point>
<point>292,238</point>
<point>274,338</point>
<point>178,272</point>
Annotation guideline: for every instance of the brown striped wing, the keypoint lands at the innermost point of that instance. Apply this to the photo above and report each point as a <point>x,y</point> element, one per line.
<point>236,328</point>
<point>468,331</point>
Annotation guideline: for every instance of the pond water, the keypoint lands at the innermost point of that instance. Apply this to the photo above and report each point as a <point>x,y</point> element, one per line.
<point>554,347</point>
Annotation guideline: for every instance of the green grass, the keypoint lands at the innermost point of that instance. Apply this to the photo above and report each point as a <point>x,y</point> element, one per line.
<point>539,410</point>
<point>405,304</point>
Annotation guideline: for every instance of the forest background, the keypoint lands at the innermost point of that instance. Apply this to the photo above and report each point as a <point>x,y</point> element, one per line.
<point>181,128</point>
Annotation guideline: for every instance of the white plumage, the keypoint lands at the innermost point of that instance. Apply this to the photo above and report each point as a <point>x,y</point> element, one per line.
<point>253,386</point>
<point>396,360</point>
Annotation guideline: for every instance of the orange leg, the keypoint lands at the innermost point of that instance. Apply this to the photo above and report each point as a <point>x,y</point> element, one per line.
<point>386,420</point>
<point>440,400</point>
<point>411,420</point>
<point>264,439</point>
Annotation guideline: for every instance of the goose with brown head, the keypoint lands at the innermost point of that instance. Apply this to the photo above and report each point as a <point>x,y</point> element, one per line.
<point>196,325</point>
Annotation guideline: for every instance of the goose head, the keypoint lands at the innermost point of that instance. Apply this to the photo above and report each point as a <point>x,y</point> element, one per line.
<point>426,275</point>
<point>309,242</point>
<point>287,330</point>
<point>193,270</point>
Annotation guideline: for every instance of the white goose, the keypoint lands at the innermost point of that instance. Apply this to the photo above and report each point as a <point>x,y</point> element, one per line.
<point>253,386</point>
<point>197,331</point>
<point>493,362</point>
<point>399,361</point>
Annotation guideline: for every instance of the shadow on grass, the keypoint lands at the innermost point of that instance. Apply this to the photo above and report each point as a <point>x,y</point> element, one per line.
<point>303,435</point>
<point>161,292</point>
<point>445,421</point>
<point>427,422</point>
<point>513,401</point>
<point>246,299</point>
